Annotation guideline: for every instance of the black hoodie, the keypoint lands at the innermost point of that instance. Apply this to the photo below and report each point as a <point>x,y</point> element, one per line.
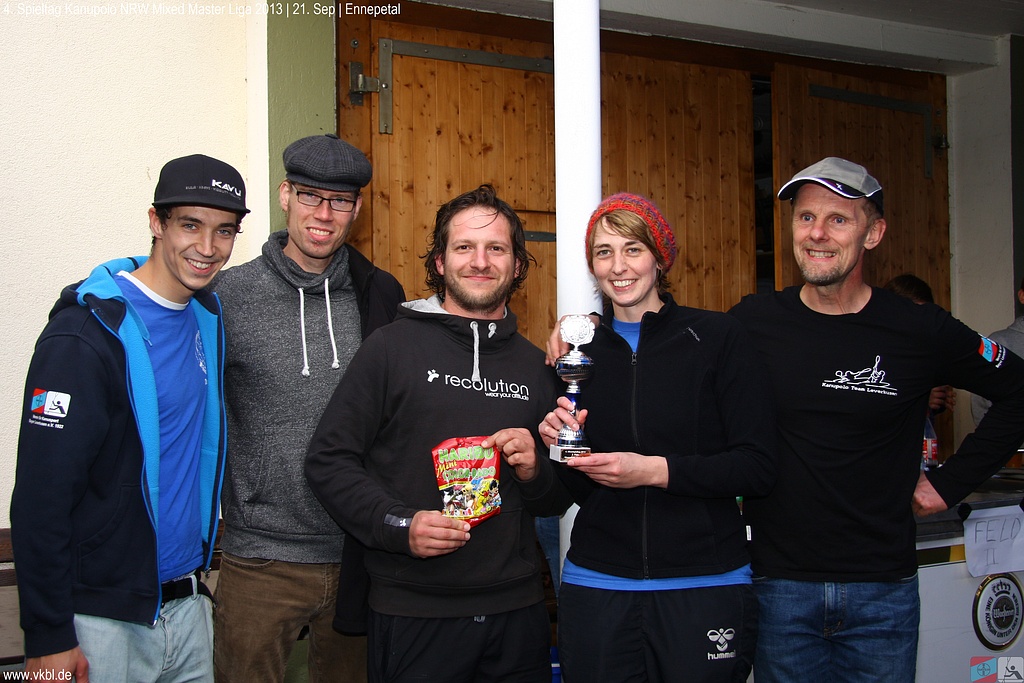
<point>427,377</point>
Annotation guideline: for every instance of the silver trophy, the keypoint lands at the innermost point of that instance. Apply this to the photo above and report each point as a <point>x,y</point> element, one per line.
<point>573,367</point>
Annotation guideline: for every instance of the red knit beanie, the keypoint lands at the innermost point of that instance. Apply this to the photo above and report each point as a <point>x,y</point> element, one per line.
<point>664,240</point>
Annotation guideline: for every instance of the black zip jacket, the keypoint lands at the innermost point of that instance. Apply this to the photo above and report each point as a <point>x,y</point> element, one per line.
<point>82,509</point>
<point>695,394</point>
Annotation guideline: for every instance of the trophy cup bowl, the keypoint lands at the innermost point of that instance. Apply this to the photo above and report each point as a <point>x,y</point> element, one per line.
<point>574,367</point>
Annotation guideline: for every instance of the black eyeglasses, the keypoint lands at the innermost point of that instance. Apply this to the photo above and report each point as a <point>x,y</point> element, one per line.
<point>342,204</point>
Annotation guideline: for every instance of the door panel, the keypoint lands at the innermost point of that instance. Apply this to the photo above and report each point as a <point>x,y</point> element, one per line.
<point>888,128</point>
<point>680,134</point>
<point>676,133</point>
<point>457,125</point>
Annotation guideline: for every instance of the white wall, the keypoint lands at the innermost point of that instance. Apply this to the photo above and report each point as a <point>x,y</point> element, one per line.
<point>92,107</point>
<point>981,204</point>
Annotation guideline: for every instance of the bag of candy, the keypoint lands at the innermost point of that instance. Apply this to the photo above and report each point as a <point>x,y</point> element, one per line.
<point>467,477</point>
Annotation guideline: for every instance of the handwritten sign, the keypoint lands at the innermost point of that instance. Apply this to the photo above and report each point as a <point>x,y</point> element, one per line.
<point>994,540</point>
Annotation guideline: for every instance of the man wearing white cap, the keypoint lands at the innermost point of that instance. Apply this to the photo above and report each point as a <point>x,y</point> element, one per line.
<point>833,545</point>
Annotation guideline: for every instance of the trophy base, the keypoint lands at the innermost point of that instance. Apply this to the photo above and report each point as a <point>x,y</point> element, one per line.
<point>563,453</point>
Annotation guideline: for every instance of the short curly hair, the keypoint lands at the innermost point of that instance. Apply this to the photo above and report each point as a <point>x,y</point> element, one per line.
<point>484,196</point>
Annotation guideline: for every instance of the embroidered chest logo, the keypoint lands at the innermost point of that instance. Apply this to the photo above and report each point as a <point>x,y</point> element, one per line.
<point>869,380</point>
<point>49,408</point>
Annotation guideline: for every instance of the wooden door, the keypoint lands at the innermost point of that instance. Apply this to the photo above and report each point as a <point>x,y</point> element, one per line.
<point>456,125</point>
<point>681,134</point>
<point>889,127</point>
<point>677,132</point>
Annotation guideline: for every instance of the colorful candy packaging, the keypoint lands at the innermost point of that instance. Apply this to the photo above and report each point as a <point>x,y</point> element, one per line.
<point>467,477</point>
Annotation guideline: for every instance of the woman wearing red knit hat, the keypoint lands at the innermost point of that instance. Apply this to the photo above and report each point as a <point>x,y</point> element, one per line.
<point>657,583</point>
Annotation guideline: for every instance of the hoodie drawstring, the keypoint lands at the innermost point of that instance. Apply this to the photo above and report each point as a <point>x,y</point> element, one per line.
<point>330,327</point>
<point>330,324</point>
<point>476,350</point>
<point>492,330</point>
<point>302,326</point>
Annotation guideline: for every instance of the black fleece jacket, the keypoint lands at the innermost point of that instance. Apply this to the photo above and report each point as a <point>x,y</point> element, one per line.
<point>694,393</point>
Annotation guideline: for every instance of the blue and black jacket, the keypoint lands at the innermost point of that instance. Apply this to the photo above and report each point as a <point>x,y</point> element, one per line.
<point>84,511</point>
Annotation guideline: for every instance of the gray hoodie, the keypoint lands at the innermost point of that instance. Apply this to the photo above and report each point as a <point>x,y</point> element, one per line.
<point>286,350</point>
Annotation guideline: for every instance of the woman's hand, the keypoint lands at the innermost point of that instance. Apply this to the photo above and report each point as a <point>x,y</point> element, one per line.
<point>624,470</point>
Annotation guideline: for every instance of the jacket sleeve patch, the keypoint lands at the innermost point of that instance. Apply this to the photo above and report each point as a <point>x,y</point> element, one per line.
<point>49,408</point>
<point>991,351</point>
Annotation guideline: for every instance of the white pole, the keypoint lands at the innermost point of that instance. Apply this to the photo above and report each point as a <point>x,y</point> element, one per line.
<point>577,160</point>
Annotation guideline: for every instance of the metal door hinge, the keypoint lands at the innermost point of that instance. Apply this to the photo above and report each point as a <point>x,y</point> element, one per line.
<point>359,83</point>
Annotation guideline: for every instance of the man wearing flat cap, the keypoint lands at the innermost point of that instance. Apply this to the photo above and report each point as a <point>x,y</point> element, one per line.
<point>833,544</point>
<point>294,318</point>
<point>122,447</point>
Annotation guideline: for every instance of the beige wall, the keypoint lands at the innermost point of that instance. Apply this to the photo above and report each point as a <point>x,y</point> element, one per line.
<point>92,107</point>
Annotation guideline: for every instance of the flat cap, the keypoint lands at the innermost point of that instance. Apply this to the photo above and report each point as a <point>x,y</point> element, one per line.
<point>326,162</point>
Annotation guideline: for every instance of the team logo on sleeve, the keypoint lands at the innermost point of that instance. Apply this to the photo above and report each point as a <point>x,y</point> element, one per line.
<point>51,403</point>
<point>992,352</point>
<point>49,408</point>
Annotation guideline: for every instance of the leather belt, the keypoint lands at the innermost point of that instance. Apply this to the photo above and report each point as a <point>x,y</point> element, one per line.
<point>184,587</point>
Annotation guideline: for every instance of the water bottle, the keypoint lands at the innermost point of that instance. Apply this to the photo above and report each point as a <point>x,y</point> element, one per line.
<point>930,445</point>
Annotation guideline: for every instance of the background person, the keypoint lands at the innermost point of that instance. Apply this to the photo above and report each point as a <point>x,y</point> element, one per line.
<point>1011,338</point>
<point>941,398</point>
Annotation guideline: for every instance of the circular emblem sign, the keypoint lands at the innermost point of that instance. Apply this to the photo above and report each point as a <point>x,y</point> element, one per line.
<point>998,611</point>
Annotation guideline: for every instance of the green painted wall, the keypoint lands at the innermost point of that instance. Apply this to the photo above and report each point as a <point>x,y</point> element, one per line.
<point>301,75</point>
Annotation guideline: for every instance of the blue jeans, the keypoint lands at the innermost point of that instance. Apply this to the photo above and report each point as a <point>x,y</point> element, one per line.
<point>832,632</point>
<point>178,648</point>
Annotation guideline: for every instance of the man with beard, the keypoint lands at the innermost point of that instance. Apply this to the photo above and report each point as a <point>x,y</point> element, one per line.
<point>444,601</point>
<point>833,545</point>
